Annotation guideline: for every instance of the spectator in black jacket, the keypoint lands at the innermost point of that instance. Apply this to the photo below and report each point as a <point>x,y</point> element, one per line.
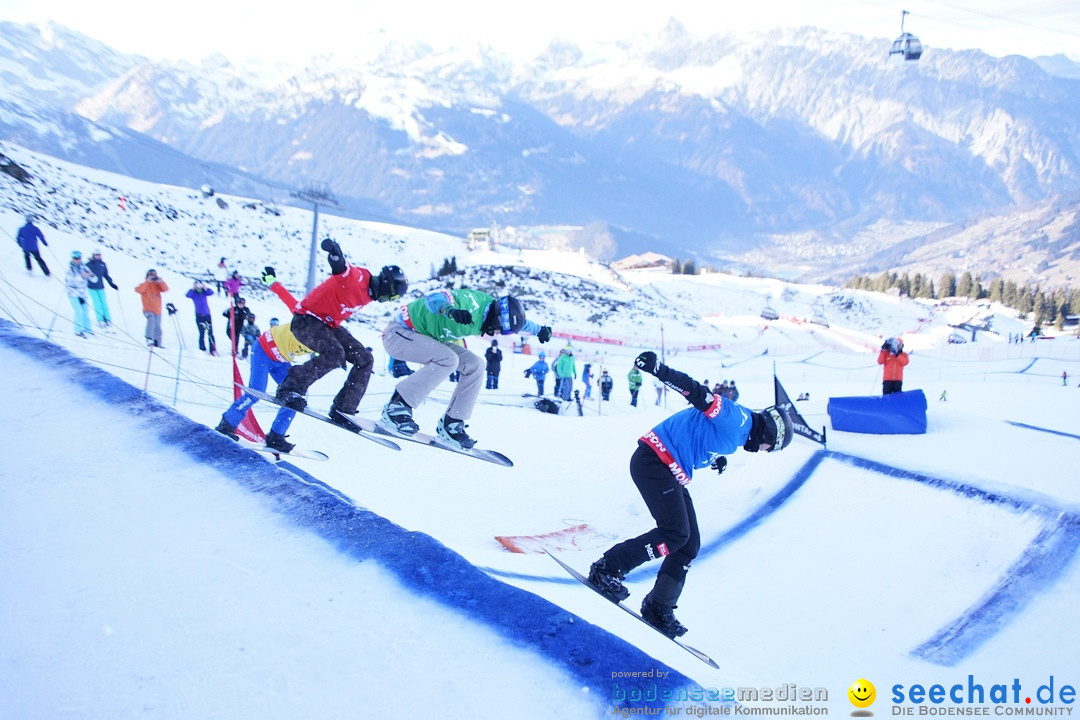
<point>493,355</point>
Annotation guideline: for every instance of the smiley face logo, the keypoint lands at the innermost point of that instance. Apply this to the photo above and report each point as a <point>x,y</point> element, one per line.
<point>862,693</point>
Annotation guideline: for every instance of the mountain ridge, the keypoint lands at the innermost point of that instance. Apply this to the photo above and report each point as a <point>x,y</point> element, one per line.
<point>705,147</point>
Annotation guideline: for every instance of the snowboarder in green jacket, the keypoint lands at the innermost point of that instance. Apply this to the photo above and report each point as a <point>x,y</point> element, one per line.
<point>431,332</point>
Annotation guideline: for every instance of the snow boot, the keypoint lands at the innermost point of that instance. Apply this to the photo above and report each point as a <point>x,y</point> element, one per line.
<point>277,441</point>
<point>227,430</point>
<point>453,431</point>
<point>658,605</point>
<point>398,416</point>
<point>342,418</point>
<point>291,399</point>
<point>608,581</point>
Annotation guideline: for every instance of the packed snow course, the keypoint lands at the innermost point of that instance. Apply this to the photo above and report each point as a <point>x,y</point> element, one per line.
<point>156,569</point>
<point>929,549</point>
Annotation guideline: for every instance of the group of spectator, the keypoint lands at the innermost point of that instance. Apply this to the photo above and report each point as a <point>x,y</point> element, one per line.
<point>85,281</point>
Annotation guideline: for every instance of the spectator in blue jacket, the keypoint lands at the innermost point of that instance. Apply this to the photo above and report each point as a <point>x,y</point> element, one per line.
<point>538,371</point>
<point>28,238</point>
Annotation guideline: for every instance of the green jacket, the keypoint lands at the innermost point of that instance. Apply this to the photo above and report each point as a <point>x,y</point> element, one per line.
<point>565,366</point>
<point>427,315</point>
<point>635,378</point>
<point>430,315</point>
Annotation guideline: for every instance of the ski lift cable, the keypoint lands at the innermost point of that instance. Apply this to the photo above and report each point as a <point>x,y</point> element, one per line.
<point>924,17</point>
<point>997,17</point>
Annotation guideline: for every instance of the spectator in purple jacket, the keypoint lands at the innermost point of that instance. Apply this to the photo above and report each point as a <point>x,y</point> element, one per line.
<point>198,294</point>
<point>232,285</point>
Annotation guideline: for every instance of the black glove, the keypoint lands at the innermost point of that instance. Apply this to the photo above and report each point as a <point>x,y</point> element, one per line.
<point>114,286</point>
<point>458,315</point>
<point>544,335</point>
<point>171,308</point>
<point>334,256</point>
<point>269,276</point>
<point>647,362</point>
<point>82,301</point>
<point>528,373</point>
<point>719,464</point>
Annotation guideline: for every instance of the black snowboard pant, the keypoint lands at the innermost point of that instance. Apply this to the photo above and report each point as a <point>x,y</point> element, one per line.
<point>335,348</point>
<point>888,387</point>
<point>27,254</point>
<point>206,332</point>
<point>675,538</point>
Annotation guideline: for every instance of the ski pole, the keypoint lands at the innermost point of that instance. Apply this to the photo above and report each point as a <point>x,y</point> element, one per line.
<point>146,383</point>
<point>52,321</point>
<point>179,348</point>
<point>176,382</point>
<point>176,324</point>
<point>123,317</point>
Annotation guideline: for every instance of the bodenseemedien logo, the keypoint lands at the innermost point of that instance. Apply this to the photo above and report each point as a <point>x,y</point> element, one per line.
<point>862,694</point>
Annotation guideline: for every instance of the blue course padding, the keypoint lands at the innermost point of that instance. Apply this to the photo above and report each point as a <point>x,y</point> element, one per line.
<point>419,562</point>
<point>1045,430</point>
<point>1050,554</point>
<point>897,413</point>
<point>1040,566</point>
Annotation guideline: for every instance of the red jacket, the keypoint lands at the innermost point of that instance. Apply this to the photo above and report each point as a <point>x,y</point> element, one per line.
<point>894,364</point>
<point>336,298</point>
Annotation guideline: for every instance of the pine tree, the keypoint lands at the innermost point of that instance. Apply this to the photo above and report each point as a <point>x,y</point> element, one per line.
<point>883,282</point>
<point>947,286</point>
<point>965,287</point>
<point>997,290</point>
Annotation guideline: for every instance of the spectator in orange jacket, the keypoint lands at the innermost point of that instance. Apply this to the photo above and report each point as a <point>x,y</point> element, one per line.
<point>893,357</point>
<point>151,290</point>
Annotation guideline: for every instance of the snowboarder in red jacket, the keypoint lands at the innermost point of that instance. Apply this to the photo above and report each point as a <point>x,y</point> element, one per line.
<point>318,323</point>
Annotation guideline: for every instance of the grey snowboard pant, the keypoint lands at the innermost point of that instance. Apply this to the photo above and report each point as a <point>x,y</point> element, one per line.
<point>438,360</point>
<point>153,327</point>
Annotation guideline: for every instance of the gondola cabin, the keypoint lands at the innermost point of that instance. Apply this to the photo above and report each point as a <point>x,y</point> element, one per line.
<point>907,44</point>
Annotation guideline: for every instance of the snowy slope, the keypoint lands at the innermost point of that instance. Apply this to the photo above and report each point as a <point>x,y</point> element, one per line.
<point>901,559</point>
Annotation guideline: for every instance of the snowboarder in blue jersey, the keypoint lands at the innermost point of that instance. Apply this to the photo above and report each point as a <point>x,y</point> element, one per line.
<point>661,468</point>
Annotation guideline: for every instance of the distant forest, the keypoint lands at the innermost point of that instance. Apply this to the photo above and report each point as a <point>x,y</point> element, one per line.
<point>1045,308</point>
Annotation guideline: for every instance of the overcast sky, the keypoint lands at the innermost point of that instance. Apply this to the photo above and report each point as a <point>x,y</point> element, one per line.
<point>244,29</point>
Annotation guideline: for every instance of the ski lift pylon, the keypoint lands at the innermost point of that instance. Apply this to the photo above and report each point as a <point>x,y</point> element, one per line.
<point>907,44</point>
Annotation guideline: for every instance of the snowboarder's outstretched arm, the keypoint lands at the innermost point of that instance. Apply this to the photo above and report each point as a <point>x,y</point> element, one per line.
<point>695,393</point>
<point>271,281</point>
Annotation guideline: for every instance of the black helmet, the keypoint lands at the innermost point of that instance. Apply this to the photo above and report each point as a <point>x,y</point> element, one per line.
<point>511,314</point>
<point>389,284</point>
<point>772,426</point>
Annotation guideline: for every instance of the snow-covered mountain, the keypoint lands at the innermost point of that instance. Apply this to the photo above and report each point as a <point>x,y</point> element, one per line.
<point>805,153</point>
